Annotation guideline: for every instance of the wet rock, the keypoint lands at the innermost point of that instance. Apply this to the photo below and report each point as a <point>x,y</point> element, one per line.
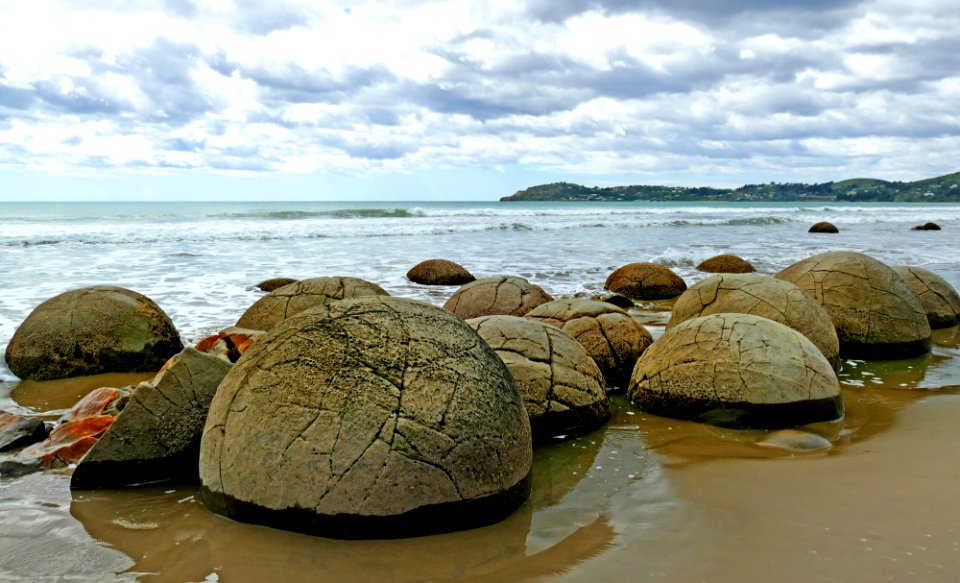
<point>367,418</point>
<point>938,298</point>
<point>616,299</point>
<point>101,401</point>
<point>736,370</point>
<point>823,227</point>
<point>269,285</point>
<point>927,227</point>
<point>876,315</point>
<point>795,440</point>
<point>645,281</point>
<point>760,295</point>
<point>230,343</point>
<point>439,272</point>
<point>562,388</point>
<point>726,263</point>
<point>156,436</point>
<point>18,431</point>
<point>286,301</point>
<point>92,330</point>
<point>492,296</point>
<point>609,335</point>
<point>67,443</point>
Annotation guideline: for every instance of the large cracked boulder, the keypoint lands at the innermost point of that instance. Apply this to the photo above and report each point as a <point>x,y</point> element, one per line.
<point>760,295</point>
<point>562,388</point>
<point>493,296</point>
<point>156,437</point>
<point>736,370</point>
<point>296,297</point>
<point>609,335</point>
<point>645,281</point>
<point>92,330</point>
<point>726,263</point>
<point>938,298</point>
<point>439,272</point>
<point>876,315</point>
<point>367,418</point>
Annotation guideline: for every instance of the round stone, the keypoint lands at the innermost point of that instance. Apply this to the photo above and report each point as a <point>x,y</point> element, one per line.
<point>609,335</point>
<point>938,298</point>
<point>736,370</point>
<point>377,417</point>
<point>92,330</point>
<point>296,297</point>
<point>875,313</point>
<point>645,281</point>
<point>760,295</point>
<point>561,386</point>
<point>726,263</point>
<point>439,272</point>
<point>492,296</point>
<point>823,227</point>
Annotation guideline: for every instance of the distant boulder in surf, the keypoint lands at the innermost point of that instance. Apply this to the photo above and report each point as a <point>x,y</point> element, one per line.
<point>927,227</point>
<point>726,263</point>
<point>268,285</point>
<point>645,281</point>
<point>92,330</point>
<point>823,227</point>
<point>615,299</point>
<point>439,272</point>
<point>491,296</point>
<point>939,299</point>
<point>291,299</point>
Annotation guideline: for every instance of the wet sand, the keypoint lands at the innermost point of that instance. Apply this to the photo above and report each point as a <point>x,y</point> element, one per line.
<point>643,499</point>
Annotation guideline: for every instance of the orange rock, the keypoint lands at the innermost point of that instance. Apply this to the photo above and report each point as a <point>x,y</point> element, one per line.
<point>96,403</point>
<point>229,343</point>
<point>69,441</point>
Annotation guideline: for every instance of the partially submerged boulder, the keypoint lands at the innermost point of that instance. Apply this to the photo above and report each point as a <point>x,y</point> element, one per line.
<point>18,431</point>
<point>760,295</point>
<point>268,285</point>
<point>645,281</point>
<point>726,263</point>
<point>876,315</point>
<point>609,335</point>
<point>491,296</point>
<point>156,437</point>
<point>562,388</point>
<point>367,418</point>
<point>823,227</point>
<point>927,227</point>
<point>439,272</point>
<point>736,370</point>
<point>291,299</point>
<point>92,330</point>
<point>938,298</point>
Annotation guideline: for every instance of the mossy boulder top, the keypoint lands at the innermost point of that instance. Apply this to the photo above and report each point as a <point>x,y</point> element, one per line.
<point>561,386</point>
<point>367,418</point>
<point>296,297</point>
<point>875,313</point>
<point>609,335</point>
<point>736,370</point>
<point>439,272</point>
<point>938,298</point>
<point>492,296</point>
<point>92,330</point>
<point>645,281</point>
<point>760,295</point>
<point>726,263</point>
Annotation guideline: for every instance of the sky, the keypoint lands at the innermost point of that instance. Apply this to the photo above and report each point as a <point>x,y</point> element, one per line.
<point>468,100</point>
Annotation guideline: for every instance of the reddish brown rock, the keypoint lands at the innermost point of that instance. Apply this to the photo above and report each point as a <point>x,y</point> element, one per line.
<point>726,263</point>
<point>68,442</point>
<point>102,401</point>
<point>229,343</point>
<point>645,281</point>
<point>823,227</point>
<point>19,431</point>
<point>439,272</point>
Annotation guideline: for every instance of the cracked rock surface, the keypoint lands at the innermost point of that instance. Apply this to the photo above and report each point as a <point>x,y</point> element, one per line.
<point>760,295</point>
<point>875,313</point>
<point>296,297</point>
<point>609,335</point>
<point>937,297</point>
<point>439,272</point>
<point>491,296</point>
<point>562,388</point>
<point>736,370</point>
<point>367,418</point>
<point>92,330</point>
<point>645,281</point>
<point>726,263</point>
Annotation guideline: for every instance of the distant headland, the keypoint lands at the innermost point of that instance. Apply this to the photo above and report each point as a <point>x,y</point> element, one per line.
<point>940,189</point>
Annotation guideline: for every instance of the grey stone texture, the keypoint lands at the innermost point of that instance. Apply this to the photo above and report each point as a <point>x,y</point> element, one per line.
<point>291,299</point>
<point>492,296</point>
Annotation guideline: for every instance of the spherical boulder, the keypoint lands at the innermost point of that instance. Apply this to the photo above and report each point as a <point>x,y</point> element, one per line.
<point>876,314</point>
<point>736,370</point>
<point>645,281</point>
<point>376,417</point>
<point>92,330</point>
<point>938,298</point>
<point>760,295</point>
<point>823,227</point>
<point>439,272</point>
<point>293,298</point>
<point>561,386</point>
<point>609,335</point>
<point>492,296</point>
<point>927,227</point>
<point>726,263</point>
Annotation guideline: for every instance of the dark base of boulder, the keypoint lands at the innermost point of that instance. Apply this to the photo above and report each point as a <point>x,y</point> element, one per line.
<point>745,415</point>
<point>433,519</point>
<point>937,322</point>
<point>569,424</point>
<point>890,351</point>
<point>92,475</point>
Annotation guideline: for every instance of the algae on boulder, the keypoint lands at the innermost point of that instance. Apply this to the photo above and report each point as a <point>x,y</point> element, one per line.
<point>492,296</point>
<point>645,281</point>
<point>367,418</point>
<point>938,298</point>
<point>288,300</point>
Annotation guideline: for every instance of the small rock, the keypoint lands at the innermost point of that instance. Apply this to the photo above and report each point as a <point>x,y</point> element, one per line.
<point>927,227</point>
<point>726,263</point>
<point>19,431</point>
<point>268,285</point>
<point>645,281</point>
<point>230,343</point>
<point>795,440</point>
<point>823,227</point>
<point>102,401</point>
<point>439,272</point>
